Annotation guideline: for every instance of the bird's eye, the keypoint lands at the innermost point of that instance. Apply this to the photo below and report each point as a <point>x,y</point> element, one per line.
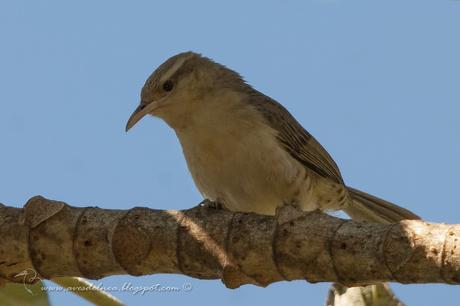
<point>168,85</point>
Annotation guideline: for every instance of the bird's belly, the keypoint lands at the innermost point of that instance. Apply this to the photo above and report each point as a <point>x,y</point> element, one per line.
<point>251,174</point>
<point>242,185</point>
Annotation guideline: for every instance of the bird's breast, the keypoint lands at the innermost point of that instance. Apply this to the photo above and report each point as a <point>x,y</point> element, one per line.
<point>242,165</point>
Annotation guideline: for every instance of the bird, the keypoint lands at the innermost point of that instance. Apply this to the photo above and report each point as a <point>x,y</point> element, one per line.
<point>244,150</point>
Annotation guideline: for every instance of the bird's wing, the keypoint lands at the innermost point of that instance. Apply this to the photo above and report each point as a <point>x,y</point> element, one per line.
<point>300,144</point>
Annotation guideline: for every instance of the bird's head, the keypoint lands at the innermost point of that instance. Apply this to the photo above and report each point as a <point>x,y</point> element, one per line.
<point>178,88</point>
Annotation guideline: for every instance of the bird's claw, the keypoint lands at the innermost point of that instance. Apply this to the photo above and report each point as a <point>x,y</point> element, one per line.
<point>293,204</point>
<point>211,204</point>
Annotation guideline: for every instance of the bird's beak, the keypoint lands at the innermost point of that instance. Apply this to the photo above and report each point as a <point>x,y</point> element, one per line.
<point>139,113</point>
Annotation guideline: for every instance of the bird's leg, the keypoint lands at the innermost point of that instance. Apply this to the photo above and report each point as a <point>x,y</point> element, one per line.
<point>293,204</point>
<point>212,204</point>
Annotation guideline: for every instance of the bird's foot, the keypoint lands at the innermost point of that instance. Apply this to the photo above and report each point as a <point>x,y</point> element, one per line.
<point>294,204</point>
<point>211,204</point>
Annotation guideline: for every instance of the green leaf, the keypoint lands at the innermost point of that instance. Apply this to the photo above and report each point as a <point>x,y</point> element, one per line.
<point>13,294</point>
<point>372,295</point>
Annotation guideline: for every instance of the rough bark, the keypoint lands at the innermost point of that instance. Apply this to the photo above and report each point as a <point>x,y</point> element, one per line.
<point>55,239</point>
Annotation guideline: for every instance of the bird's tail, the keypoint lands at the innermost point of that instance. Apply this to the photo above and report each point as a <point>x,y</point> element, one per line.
<point>369,208</point>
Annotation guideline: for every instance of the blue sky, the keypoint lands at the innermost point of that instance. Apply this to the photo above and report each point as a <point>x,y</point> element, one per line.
<point>376,82</point>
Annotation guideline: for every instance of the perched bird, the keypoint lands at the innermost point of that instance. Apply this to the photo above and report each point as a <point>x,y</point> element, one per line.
<point>244,150</point>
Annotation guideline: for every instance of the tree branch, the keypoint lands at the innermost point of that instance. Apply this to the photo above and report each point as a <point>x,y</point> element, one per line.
<point>55,239</point>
